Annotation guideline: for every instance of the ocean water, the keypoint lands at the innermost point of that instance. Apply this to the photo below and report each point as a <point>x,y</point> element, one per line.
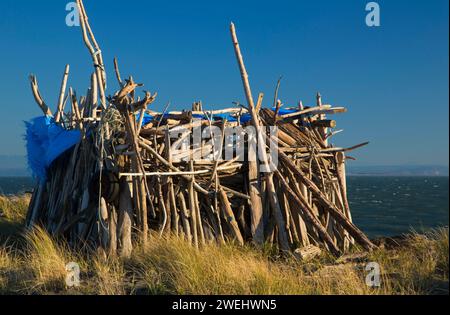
<point>387,206</point>
<point>15,185</point>
<point>381,206</point>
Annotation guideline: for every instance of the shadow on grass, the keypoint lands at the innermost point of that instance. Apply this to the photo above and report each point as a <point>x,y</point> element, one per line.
<point>10,232</point>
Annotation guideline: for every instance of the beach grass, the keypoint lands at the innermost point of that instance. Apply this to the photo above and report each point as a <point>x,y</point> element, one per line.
<point>418,264</point>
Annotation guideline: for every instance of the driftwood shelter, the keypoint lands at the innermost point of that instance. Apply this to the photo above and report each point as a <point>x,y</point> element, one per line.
<point>110,169</point>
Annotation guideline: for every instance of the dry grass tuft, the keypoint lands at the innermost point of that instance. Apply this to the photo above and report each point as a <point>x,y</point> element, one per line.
<point>47,260</point>
<point>5,265</point>
<point>10,270</point>
<point>419,267</point>
<point>14,208</point>
<point>109,277</point>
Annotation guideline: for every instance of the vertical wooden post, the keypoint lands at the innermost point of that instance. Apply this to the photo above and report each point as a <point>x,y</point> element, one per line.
<point>322,130</point>
<point>256,213</point>
<point>184,217</point>
<point>140,191</point>
<point>342,179</point>
<point>112,224</point>
<point>201,232</point>
<point>192,210</point>
<point>94,96</point>
<point>125,217</point>
<point>104,217</point>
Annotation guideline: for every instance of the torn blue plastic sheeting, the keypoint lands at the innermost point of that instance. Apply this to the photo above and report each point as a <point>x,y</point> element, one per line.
<point>231,118</point>
<point>245,118</point>
<point>146,120</point>
<point>285,111</point>
<point>45,141</point>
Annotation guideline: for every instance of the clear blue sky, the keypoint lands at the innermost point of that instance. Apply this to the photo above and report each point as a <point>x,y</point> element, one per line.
<point>393,79</point>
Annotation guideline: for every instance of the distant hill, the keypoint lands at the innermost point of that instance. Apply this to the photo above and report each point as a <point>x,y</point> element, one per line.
<point>398,170</point>
<point>13,165</point>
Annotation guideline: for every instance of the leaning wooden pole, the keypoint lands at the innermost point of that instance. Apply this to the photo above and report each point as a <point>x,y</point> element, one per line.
<point>62,92</point>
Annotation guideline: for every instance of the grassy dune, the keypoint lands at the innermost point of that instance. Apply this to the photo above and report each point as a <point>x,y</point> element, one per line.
<point>12,214</point>
<point>32,263</point>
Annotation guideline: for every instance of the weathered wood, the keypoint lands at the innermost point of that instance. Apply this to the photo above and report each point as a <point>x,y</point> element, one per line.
<point>229,216</point>
<point>307,253</point>
<point>324,123</point>
<point>125,220</point>
<point>309,216</point>
<point>117,72</point>
<point>37,196</point>
<point>103,224</point>
<point>342,179</point>
<point>94,51</point>
<point>256,212</point>
<point>62,92</point>
<point>94,96</point>
<point>37,96</point>
<point>112,226</point>
<point>338,216</point>
<point>192,212</point>
<point>185,217</point>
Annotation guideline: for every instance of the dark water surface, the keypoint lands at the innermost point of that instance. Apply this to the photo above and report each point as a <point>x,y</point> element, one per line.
<point>381,206</point>
<point>386,206</point>
<point>15,185</point>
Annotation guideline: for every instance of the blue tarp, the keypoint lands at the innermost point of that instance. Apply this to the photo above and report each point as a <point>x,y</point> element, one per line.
<point>45,142</point>
<point>147,118</point>
<point>228,116</point>
<point>285,111</point>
